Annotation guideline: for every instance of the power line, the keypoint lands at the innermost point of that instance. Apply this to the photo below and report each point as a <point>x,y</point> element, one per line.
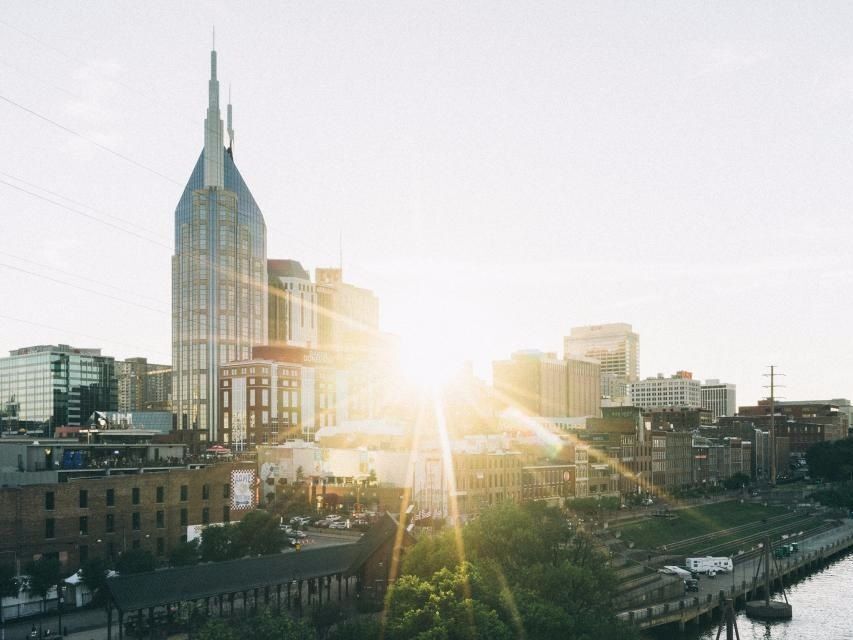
<point>86,289</point>
<point>89,140</point>
<point>84,214</point>
<point>138,347</point>
<point>84,205</point>
<point>87,278</point>
<point>66,56</point>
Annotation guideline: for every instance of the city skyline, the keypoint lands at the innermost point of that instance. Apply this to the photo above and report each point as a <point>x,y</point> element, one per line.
<point>468,187</point>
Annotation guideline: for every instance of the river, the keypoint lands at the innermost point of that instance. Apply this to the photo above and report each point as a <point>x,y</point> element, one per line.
<point>823,610</point>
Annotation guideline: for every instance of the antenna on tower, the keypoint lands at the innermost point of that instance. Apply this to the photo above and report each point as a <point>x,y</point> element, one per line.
<point>214,37</point>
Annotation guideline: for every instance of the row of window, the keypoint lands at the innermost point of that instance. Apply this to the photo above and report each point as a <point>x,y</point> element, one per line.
<point>135,496</point>
<point>135,521</point>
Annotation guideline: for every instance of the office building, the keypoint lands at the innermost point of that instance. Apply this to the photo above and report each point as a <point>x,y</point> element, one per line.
<point>281,393</point>
<point>219,276</point>
<point>49,386</point>
<point>616,346</point>
<point>142,385</point>
<point>347,316</point>
<point>543,385</point>
<point>292,305</point>
<point>679,390</point>
<point>720,398</point>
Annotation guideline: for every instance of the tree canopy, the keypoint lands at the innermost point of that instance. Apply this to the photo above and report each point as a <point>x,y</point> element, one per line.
<point>518,571</point>
<point>94,576</point>
<point>831,460</point>
<point>43,575</point>
<point>136,561</point>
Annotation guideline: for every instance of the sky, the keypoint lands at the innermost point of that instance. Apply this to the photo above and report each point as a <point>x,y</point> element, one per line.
<point>499,172</point>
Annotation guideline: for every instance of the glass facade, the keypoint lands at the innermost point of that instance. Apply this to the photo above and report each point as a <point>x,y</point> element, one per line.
<point>219,301</point>
<point>52,386</point>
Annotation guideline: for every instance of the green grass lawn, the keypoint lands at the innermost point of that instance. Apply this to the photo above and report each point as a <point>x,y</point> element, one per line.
<point>695,521</point>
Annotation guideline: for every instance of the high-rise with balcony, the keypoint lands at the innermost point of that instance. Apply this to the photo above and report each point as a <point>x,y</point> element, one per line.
<point>219,275</point>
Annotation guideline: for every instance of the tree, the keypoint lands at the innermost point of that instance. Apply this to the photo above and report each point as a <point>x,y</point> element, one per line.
<point>358,629</point>
<point>325,617</point>
<point>268,626</point>
<point>258,533</point>
<point>94,576</point>
<point>42,576</point>
<point>136,561</point>
<point>736,481</point>
<point>831,460</point>
<point>525,573</point>
<point>10,586</point>
<point>217,543</point>
<point>184,554</point>
<point>217,630</point>
<point>442,607</point>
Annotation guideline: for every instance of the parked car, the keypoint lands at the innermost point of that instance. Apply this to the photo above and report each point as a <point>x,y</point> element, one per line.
<point>337,525</point>
<point>691,585</point>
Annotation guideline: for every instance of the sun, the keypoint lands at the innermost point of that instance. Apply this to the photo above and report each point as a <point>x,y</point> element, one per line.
<point>426,361</point>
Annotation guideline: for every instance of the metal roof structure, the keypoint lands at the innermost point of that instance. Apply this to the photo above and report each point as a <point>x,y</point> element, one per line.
<point>182,584</point>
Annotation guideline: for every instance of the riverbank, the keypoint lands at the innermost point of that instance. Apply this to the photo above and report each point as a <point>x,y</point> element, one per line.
<point>741,584</point>
<point>821,611</point>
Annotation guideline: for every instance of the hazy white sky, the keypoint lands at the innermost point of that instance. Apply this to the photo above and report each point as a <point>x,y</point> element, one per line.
<point>500,171</point>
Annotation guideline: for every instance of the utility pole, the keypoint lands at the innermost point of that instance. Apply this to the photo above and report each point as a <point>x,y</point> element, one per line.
<point>772,375</point>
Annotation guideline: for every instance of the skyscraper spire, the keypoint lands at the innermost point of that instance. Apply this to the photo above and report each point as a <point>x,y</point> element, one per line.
<point>213,168</point>
<point>230,124</point>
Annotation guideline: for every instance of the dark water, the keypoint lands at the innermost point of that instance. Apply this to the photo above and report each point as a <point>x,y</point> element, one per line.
<point>823,610</point>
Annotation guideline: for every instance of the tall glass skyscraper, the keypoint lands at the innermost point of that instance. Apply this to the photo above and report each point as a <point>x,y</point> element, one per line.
<point>49,386</point>
<point>219,275</point>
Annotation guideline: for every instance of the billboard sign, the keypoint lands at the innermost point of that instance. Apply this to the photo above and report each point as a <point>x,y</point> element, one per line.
<point>243,489</point>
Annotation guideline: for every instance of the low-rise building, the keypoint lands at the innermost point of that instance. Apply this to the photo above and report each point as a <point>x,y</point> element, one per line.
<point>104,514</point>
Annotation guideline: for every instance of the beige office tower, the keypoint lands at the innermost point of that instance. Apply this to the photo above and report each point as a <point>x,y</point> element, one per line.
<point>616,347</point>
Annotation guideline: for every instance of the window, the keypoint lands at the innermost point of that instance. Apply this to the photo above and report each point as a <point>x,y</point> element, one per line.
<point>184,518</point>
<point>160,494</point>
<point>110,524</point>
<point>48,501</point>
<point>161,546</point>
<point>84,554</point>
<point>226,514</point>
<point>84,499</point>
<point>84,525</point>
<point>134,495</point>
<point>161,520</point>
<point>205,492</point>
<point>49,528</point>
<point>226,490</point>
<point>111,497</point>
<point>135,521</point>
<point>205,516</point>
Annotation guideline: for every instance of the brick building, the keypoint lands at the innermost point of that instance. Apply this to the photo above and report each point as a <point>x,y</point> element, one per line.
<point>105,515</point>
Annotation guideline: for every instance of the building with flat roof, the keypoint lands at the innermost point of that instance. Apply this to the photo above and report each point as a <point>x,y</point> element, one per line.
<point>616,346</point>
<point>679,390</point>
<point>720,398</point>
<point>49,386</point>
<point>292,305</point>
<point>543,385</point>
<point>143,385</point>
